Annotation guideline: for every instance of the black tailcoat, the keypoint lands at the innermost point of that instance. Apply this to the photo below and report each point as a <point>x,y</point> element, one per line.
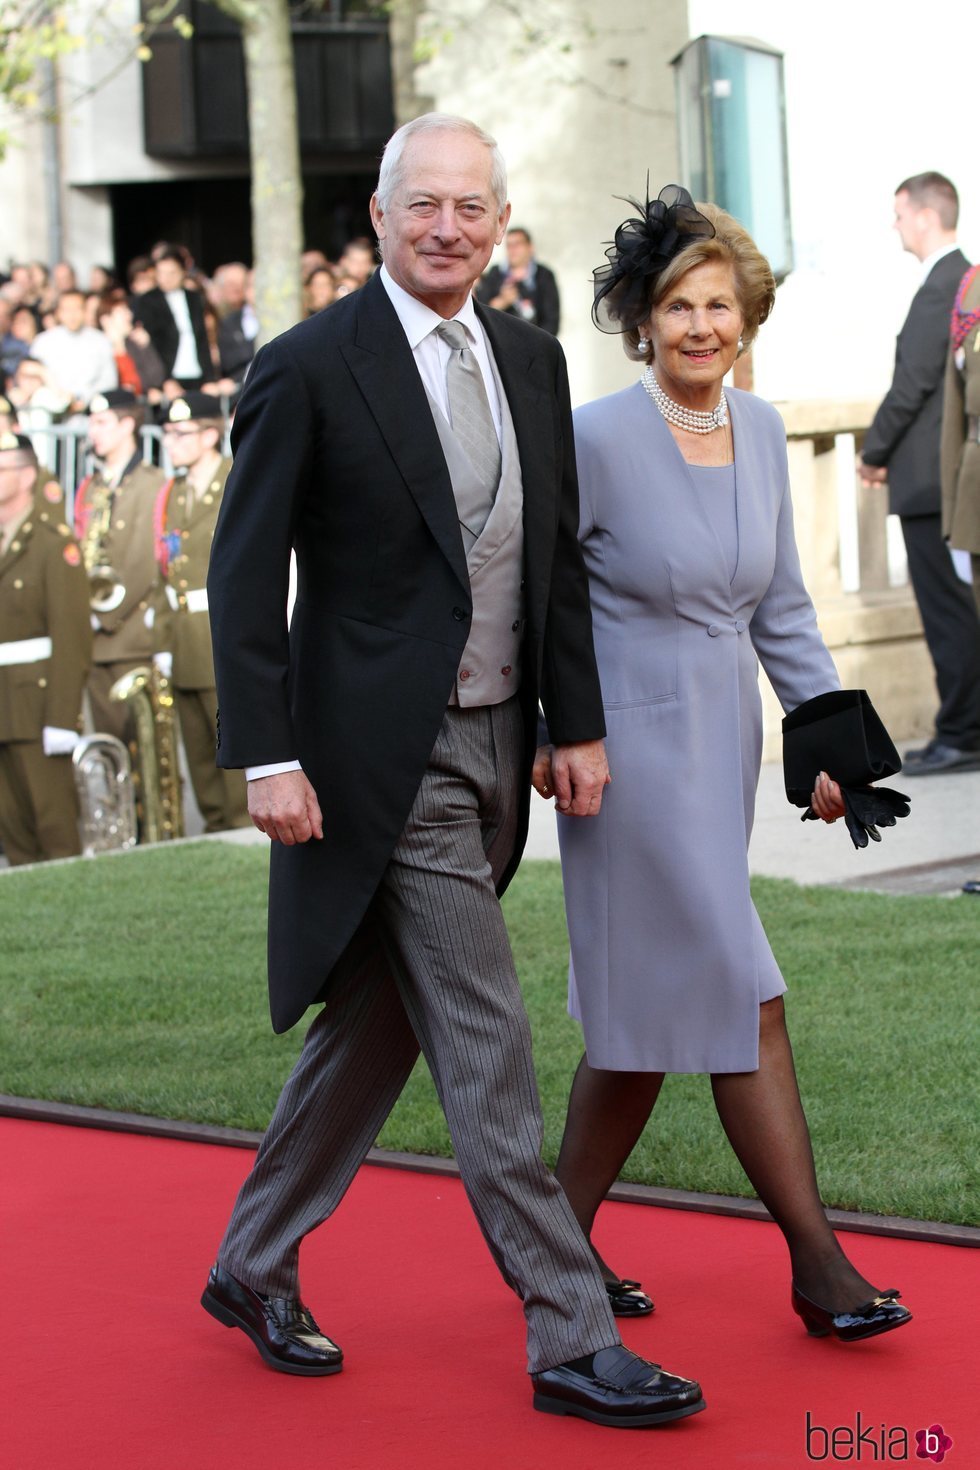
<point>336,455</point>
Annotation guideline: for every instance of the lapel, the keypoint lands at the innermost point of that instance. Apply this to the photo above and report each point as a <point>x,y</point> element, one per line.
<point>531,398</point>
<point>207,509</point>
<point>382,364</point>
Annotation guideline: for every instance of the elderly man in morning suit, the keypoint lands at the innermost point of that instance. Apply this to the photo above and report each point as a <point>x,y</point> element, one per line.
<point>417,453</point>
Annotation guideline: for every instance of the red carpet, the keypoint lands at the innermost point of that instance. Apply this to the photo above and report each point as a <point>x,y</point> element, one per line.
<point>110,1364</point>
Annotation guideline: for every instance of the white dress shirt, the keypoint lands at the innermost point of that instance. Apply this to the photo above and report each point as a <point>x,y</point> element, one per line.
<point>431,354</point>
<point>187,364</point>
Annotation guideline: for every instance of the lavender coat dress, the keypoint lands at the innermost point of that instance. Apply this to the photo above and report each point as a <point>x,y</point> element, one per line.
<point>669,961</point>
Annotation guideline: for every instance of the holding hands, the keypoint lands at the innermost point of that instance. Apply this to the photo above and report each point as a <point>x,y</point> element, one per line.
<point>575,775</point>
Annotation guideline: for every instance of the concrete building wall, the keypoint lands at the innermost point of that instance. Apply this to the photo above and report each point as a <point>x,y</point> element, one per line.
<point>24,211</point>
<point>577,126</point>
<point>869,102</point>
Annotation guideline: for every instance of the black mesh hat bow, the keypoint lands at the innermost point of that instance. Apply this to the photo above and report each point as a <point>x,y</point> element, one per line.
<point>643,246</point>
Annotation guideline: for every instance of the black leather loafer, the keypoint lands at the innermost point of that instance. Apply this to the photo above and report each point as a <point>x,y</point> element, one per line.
<point>281,1327</point>
<point>881,1314</point>
<point>627,1300</point>
<point>622,1391</point>
<point>938,757</point>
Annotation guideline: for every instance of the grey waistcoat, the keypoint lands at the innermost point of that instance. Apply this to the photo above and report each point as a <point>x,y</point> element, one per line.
<point>490,668</point>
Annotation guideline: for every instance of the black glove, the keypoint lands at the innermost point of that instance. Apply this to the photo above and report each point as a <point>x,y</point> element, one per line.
<point>866,808</point>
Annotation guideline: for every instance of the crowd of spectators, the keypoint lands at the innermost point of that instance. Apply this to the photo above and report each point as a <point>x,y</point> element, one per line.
<point>160,328</point>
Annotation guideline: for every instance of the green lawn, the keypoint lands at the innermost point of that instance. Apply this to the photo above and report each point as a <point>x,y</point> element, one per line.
<point>137,983</point>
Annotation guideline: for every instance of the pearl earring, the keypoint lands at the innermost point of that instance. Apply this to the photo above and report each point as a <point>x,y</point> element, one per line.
<point>643,345</point>
<point>741,344</point>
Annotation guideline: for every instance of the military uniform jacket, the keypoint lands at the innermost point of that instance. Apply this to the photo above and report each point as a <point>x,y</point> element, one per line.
<point>960,454</point>
<point>43,610</point>
<point>129,550</point>
<point>184,539</point>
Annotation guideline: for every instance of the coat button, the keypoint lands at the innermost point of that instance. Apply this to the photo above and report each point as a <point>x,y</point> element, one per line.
<point>464,673</point>
<point>42,683</point>
<point>740,626</point>
<point>515,626</point>
<point>459,613</point>
<point>18,585</point>
<point>506,669</point>
<point>713,630</point>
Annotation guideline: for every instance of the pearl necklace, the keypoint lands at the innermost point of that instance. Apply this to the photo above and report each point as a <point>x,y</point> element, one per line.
<point>691,419</point>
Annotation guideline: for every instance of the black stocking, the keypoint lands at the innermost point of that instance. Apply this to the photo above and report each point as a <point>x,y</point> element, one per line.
<point>607,1112</point>
<point>763,1116</point>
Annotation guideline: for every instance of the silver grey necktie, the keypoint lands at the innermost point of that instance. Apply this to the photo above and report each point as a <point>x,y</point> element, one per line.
<point>469,411</point>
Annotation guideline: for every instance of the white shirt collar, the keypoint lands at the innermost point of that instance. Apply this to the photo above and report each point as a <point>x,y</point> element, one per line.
<point>419,320</point>
<point>936,257</point>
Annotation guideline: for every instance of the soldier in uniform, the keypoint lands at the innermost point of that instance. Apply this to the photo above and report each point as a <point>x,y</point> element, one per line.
<point>45,648</point>
<point>114,524</point>
<point>186,512</point>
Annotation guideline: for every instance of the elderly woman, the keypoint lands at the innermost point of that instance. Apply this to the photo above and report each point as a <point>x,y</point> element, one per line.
<point>687,532</point>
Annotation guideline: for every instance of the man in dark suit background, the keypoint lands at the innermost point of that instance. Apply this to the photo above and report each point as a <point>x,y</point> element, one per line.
<point>417,453</point>
<point>902,448</point>
<point>237,332</point>
<point>526,288</point>
<point>174,318</point>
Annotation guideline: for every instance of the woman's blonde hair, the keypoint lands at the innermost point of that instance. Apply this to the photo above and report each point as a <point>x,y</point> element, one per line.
<point>755,285</point>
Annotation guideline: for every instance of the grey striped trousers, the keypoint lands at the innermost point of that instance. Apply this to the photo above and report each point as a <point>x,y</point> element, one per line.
<point>431,966</point>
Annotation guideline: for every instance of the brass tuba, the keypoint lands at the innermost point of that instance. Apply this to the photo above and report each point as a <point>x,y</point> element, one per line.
<point>149,695</point>
<point>107,806</point>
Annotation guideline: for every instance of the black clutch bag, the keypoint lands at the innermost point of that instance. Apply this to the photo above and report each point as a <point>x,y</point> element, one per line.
<point>840,733</point>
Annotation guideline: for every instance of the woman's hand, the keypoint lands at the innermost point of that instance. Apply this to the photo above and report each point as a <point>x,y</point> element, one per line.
<point>826,799</point>
<point>542,778</point>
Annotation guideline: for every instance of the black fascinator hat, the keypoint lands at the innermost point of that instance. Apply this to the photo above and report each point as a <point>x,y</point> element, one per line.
<point>642,248</point>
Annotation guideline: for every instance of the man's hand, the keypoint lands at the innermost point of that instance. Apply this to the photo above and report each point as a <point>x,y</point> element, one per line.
<point>579,774</point>
<point>285,807</point>
<point>871,474</point>
<point>506,296</point>
<point>541,775</point>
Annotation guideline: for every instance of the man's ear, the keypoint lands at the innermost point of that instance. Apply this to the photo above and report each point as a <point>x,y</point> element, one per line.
<point>377,216</point>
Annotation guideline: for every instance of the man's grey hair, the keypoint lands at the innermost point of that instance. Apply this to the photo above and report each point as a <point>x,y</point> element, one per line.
<point>390,173</point>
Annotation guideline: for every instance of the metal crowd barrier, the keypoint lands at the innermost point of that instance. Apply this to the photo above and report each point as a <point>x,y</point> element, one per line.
<point>64,451</point>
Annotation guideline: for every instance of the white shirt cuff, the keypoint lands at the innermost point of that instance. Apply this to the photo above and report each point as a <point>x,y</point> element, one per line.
<point>255,773</point>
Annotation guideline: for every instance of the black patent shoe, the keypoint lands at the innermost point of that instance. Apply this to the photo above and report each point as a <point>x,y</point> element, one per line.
<point>881,1314</point>
<point>622,1391</point>
<point>281,1327</point>
<point>627,1300</point>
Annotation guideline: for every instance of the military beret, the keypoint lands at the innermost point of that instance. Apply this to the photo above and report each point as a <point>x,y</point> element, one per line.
<point>16,441</point>
<point>118,400</point>
<point>195,405</point>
